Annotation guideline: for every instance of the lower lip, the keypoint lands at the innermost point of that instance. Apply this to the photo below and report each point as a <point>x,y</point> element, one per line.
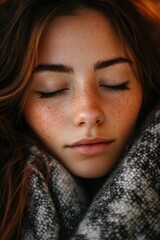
<point>91,149</point>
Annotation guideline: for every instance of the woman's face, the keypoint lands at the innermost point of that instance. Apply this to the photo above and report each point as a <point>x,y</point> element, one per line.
<point>84,99</point>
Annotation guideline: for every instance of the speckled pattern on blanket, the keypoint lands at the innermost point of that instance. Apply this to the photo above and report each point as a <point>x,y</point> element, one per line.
<point>127,206</point>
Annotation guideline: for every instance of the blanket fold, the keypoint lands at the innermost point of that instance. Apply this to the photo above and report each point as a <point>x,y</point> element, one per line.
<point>127,206</point>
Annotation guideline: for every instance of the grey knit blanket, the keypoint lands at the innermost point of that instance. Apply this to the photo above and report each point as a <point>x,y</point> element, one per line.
<point>126,206</point>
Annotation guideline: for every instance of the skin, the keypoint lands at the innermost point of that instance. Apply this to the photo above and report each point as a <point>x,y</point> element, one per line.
<point>88,106</point>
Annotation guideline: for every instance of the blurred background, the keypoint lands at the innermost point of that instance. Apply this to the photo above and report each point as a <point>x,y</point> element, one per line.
<point>151,10</point>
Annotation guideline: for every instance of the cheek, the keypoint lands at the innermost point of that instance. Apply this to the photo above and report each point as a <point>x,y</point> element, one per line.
<point>125,112</point>
<point>44,119</point>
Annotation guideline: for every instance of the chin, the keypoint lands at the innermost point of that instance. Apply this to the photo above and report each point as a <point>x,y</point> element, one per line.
<point>90,174</point>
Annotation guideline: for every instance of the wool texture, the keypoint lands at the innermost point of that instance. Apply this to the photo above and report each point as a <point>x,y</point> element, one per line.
<point>126,206</point>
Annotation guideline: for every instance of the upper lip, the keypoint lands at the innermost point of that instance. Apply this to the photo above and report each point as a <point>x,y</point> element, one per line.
<point>89,141</point>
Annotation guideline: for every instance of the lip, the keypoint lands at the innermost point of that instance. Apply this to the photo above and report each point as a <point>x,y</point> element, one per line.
<point>90,146</point>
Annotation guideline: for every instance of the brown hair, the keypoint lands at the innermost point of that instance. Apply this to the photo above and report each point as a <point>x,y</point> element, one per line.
<point>23,26</point>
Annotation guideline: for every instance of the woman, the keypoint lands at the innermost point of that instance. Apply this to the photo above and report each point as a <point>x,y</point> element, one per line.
<point>78,80</point>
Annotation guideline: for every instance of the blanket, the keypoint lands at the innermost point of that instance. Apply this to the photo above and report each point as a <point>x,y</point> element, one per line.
<point>125,206</point>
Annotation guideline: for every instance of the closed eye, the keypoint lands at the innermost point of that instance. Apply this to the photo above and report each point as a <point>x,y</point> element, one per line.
<point>119,87</point>
<point>52,94</point>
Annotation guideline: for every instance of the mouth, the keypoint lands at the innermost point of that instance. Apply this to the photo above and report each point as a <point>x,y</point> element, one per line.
<point>90,146</point>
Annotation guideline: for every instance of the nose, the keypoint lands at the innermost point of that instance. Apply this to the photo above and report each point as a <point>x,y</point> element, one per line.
<point>88,111</point>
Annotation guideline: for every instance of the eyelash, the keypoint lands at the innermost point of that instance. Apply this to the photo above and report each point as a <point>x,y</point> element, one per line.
<point>57,93</point>
<point>51,94</point>
<point>119,87</point>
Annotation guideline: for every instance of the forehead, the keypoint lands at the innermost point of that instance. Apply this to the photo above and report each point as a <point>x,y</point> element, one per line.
<point>86,34</point>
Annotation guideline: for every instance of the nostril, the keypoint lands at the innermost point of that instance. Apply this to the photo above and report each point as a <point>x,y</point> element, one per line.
<point>98,121</point>
<point>88,119</point>
<point>82,123</point>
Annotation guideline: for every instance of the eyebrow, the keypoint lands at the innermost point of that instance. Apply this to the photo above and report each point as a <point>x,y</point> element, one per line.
<point>104,64</point>
<point>66,69</point>
<point>53,68</point>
